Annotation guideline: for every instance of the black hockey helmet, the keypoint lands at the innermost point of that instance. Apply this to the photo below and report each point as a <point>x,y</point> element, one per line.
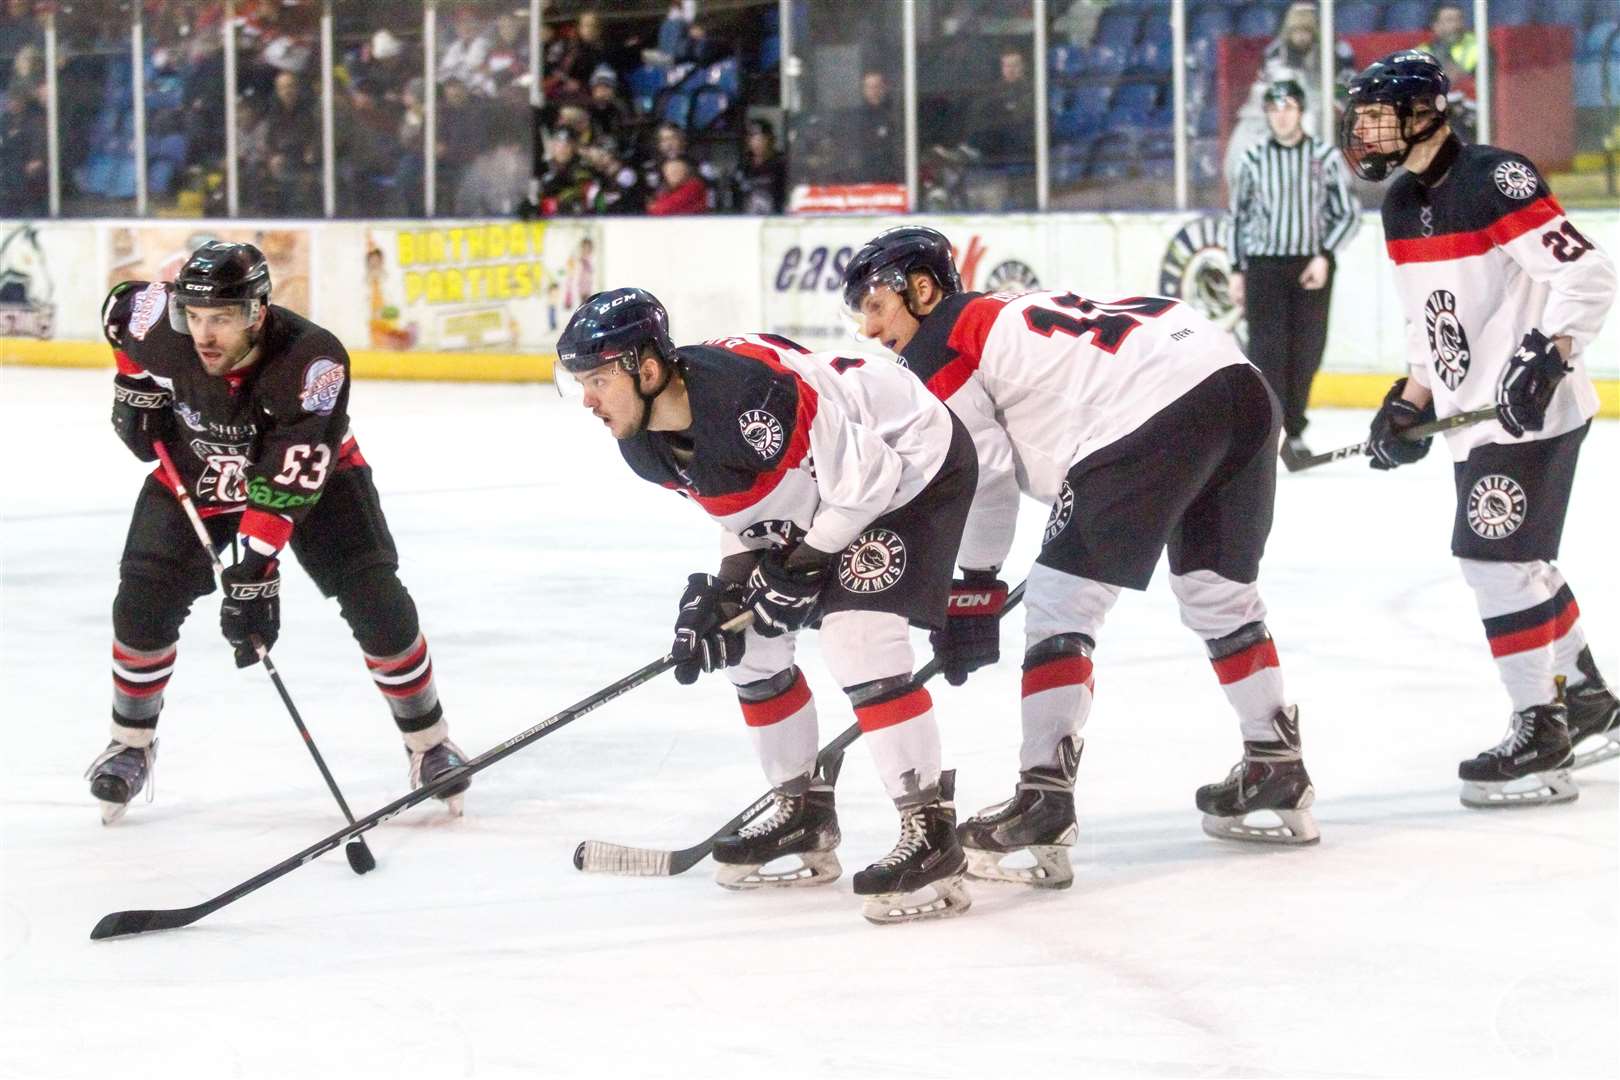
<point>892,254</point>
<point>1385,101</point>
<point>611,327</point>
<point>221,274</point>
<point>1284,90</point>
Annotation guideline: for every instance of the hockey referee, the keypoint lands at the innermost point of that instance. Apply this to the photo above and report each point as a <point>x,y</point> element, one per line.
<point>1292,209</point>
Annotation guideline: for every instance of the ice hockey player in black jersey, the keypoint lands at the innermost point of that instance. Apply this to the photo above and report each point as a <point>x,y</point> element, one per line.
<point>251,401</point>
<point>841,488</point>
<point>1502,296</point>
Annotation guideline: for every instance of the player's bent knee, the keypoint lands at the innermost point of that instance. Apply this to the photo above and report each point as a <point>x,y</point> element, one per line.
<point>772,686</point>
<point>1057,647</point>
<point>860,646</point>
<point>147,613</point>
<point>1213,606</point>
<point>379,611</point>
<point>1244,637</point>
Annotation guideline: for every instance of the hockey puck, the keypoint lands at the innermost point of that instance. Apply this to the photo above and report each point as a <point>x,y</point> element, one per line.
<point>579,856</point>
<point>361,860</point>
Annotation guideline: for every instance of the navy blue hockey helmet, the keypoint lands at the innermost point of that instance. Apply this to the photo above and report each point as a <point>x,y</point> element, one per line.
<point>1397,101</point>
<point>1285,90</point>
<point>221,274</point>
<point>892,254</point>
<point>611,327</point>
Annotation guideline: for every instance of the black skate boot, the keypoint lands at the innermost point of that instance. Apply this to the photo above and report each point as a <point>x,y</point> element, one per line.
<point>1593,710</point>
<point>118,774</point>
<point>1529,767</point>
<point>1039,819</point>
<point>803,825</point>
<point>1270,777</point>
<point>430,764</point>
<point>927,854</point>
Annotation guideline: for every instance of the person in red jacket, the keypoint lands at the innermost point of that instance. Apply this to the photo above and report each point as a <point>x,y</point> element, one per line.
<point>682,192</point>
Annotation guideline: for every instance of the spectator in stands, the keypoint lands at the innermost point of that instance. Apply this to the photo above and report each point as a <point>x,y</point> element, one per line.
<point>364,126</point>
<point>409,140</point>
<point>1002,128</point>
<point>253,154</point>
<point>578,57</point>
<point>465,59</point>
<point>669,143</point>
<point>1292,54</point>
<point>18,30</point>
<point>462,132</point>
<point>577,118</point>
<point>672,31</point>
<point>564,183</point>
<point>1451,42</point>
<point>496,182</point>
<point>758,185</point>
<point>610,115</point>
<point>616,187</point>
<point>294,144</point>
<point>682,190</point>
<point>508,62</point>
<point>25,191</point>
<point>700,48</point>
<point>878,147</point>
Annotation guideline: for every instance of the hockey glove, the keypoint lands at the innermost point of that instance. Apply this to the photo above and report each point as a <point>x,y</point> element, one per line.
<point>972,635</point>
<point>252,606</point>
<point>700,643</point>
<point>1527,384</point>
<point>783,589</point>
<point>140,414</point>
<point>1385,446</point>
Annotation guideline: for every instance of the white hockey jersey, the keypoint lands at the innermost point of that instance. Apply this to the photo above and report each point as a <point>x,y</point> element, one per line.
<point>789,445</point>
<point>1044,379</point>
<point>1482,257</point>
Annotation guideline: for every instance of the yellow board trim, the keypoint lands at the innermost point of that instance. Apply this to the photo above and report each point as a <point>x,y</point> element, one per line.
<point>1344,390</point>
<point>365,363</point>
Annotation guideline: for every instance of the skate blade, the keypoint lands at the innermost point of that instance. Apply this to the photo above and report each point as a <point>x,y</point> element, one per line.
<point>948,898</point>
<point>813,868</point>
<point>112,811</point>
<point>1540,789</point>
<point>1294,828</point>
<point>1051,870</point>
<point>1609,748</point>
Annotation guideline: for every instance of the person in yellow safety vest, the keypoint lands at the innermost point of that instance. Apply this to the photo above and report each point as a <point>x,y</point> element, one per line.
<point>1452,43</point>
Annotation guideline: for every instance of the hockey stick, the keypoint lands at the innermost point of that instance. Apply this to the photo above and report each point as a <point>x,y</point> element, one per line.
<point>361,860</point>
<point>601,857</point>
<point>1411,434</point>
<point>121,923</point>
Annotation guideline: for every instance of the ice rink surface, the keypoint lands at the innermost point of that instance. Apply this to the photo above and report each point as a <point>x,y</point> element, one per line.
<point>1418,939</point>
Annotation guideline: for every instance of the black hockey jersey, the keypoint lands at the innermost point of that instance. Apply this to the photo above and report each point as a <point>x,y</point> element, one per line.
<point>1482,255</point>
<point>262,440</point>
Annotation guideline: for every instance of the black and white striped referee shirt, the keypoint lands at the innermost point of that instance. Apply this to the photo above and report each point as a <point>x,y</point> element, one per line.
<point>1292,201</point>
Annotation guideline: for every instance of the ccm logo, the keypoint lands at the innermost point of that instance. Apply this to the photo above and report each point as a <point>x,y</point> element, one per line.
<point>255,590</point>
<point>969,601</point>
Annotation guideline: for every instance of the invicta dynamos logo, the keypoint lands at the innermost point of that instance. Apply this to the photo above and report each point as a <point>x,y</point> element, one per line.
<point>1496,506</point>
<point>763,432</point>
<point>1515,179</point>
<point>1448,344</point>
<point>1062,510</point>
<point>874,562</point>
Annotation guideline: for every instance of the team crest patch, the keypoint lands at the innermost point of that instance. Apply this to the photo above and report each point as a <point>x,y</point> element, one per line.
<point>146,309</point>
<point>1515,179</point>
<point>874,562</point>
<point>762,431</point>
<point>323,381</point>
<point>192,417</point>
<point>1496,506</point>
<point>1062,510</point>
<point>1448,344</point>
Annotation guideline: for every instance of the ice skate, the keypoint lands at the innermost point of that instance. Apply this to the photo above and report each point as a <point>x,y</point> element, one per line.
<point>1594,716</point>
<point>1038,819</point>
<point>1529,767</point>
<point>118,774</point>
<point>430,764</point>
<point>1272,779</point>
<point>927,859</point>
<point>801,826</point>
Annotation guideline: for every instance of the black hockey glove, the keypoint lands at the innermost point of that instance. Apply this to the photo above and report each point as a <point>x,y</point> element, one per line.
<point>972,635</point>
<point>1385,447</point>
<point>1527,384</point>
<point>141,413</point>
<point>783,589</point>
<point>252,606</point>
<point>700,644</point>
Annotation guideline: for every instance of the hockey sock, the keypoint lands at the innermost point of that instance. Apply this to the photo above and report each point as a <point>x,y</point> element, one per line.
<point>897,719</point>
<point>1245,662</point>
<point>139,677</point>
<point>406,681</point>
<point>1057,692</point>
<point>1524,614</point>
<point>781,715</point>
<point>1568,638</point>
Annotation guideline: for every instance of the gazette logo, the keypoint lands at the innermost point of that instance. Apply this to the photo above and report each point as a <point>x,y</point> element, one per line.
<point>323,381</point>
<point>1062,510</point>
<point>874,562</point>
<point>762,431</point>
<point>1515,179</point>
<point>1496,506</point>
<point>1448,344</point>
<point>146,309</point>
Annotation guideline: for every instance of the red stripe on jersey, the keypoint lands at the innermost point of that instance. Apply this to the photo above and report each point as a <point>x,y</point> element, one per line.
<point>797,448</point>
<point>1055,674</point>
<point>126,365</point>
<point>966,341</point>
<point>273,529</point>
<point>1533,637</point>
<point>775,710</point>
<point>1240,665</point>
<point>1479,241</point>
<point>894,711</point>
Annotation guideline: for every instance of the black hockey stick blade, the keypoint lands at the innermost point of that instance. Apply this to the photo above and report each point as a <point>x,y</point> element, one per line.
<point>601,857</point>
<point>123,923</point>
<point>1411,434</point>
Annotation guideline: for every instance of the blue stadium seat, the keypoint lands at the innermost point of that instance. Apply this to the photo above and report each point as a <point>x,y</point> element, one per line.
<point>675,108</point>
<point>1066,61</point>
<point>1150,58</point>
<point>1158,155</point>
<point>770,52</point>
<point>1068,163</point>
<point>1598,39</point>
<point>1512,12</point>
<point>1106,60</point>
<point>1209,23</point>
<point>1131,107</point>
<point>1156,29</point>
<point>724,75</point>
<point>1576,13</point>
<point>1356,17</point>
<point>644,84</point>
<point>1117,28</point>
<point>710,104</point>
<point>1112,157</point>
<point>1414,14</point>
<point>1258,20</point>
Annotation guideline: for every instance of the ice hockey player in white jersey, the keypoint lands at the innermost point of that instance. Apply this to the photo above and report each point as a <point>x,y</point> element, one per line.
<point>1502,296</point>
<point>1143,427</point>
<point>842,489</point>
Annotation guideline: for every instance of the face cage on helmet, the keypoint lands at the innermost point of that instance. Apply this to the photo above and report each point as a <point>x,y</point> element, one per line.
<point>1376,165</point>
<point>178,304</point>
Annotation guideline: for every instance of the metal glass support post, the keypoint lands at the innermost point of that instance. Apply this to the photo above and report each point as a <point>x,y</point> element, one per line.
<point>1043,115</point>
<point>137,56</point>
<point>1485,72</point>
<point>53,116</point>
<point>1325,56</point>
<point>537,98</point>
<point>430,106</point>
<point>908,73</point>
<point>328,132</point>
<point>233,171</point>
<point>1178,87</point>
<point>784,79</point>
